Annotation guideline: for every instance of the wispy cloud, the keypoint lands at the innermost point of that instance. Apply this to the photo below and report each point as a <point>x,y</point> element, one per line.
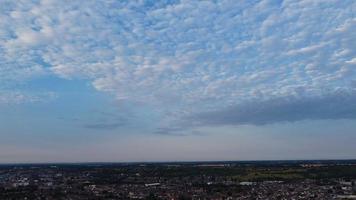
<point>19,97</point>
<point>105,126</point>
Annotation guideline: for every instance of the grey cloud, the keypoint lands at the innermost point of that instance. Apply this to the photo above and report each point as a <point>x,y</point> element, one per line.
<point>108,120</point>
<point>176,131</point>
<point>104,126</point>
<point>334,105</point>
<point>353,83</point>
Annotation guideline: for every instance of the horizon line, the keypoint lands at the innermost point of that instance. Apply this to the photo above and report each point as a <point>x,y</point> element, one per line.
<point>163,162</point>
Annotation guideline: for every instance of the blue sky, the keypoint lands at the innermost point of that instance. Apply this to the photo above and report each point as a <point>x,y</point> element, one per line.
<point>175,80</point>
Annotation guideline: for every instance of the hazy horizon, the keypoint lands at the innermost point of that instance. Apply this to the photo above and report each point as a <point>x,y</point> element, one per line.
<point>177,80</point>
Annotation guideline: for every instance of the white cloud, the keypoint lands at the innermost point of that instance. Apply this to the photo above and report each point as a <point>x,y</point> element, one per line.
<point>187,55</point>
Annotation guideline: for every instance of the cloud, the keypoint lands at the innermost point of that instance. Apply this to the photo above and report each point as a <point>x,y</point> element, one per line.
<point>178,131</point>
<point>109,120</point>
<point>19,97</point>
<point>333,105</point>
<point>104,126</point>
<point>183,57</point>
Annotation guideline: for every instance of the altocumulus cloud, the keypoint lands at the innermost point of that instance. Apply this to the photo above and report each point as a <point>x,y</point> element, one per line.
<point>187,57</point>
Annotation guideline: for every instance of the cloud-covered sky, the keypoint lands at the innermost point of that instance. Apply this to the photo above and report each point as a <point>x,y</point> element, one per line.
<point>167,68</point>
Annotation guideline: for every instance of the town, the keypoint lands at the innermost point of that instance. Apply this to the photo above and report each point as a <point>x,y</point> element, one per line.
<point>180,181</point>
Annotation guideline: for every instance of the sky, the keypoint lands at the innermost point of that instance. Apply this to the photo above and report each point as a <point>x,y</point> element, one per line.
<point>177,80</point>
